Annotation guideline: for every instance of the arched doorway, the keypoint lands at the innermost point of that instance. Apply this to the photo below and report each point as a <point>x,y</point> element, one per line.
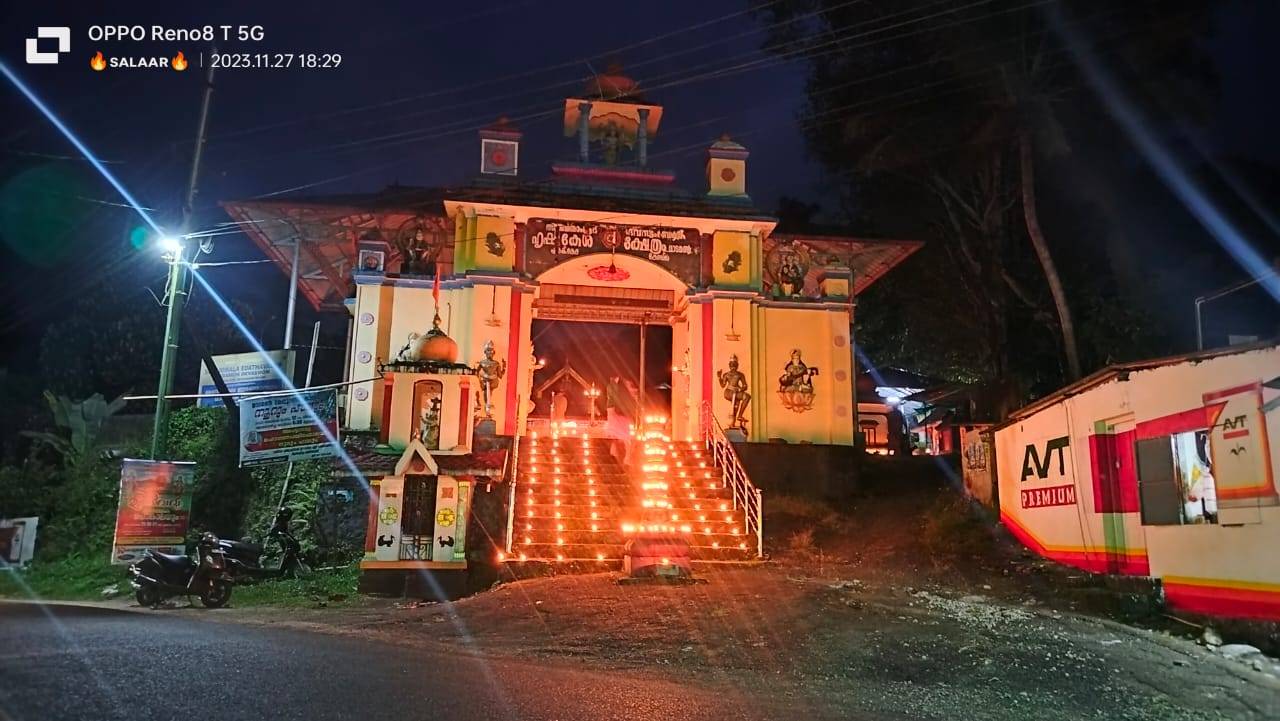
<point>608,328</point>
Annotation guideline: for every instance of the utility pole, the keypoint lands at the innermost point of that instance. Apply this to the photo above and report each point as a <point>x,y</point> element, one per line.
<point>293,295</point>
<point>176,290</point>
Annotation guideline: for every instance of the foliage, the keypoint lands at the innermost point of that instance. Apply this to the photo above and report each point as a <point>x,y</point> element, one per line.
<point>951,527</point>
<point>919,116</point>
<point>73,577</point>
<point>801,542</point>
<point>82,421</point>
<point>110,342</point>
<point>305,483</point>
<point>335,587</point>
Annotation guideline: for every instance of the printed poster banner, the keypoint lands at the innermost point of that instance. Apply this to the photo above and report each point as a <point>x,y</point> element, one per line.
<point>245,373</point>
<point>155,507</point>
<point>278,429</point>
<point>1240,450</point>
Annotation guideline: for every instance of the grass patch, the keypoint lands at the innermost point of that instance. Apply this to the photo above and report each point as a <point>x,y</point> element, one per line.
<point>320,588</point>
<point>79,578</point>
<point>950,527</point>
<point>71,578</point>
<point>797,506</point>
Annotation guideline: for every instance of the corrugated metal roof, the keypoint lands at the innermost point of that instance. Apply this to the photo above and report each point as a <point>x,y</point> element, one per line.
<point>1112,371</point>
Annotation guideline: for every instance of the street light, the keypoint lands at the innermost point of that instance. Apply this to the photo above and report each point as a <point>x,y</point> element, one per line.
<point>175,296</point>
<point>169,245</point>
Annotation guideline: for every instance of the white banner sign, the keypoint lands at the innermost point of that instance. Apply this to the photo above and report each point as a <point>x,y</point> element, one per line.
<point>245,373</point>
<point>276,429</point>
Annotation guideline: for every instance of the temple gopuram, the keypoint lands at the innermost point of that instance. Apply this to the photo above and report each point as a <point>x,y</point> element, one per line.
<point>484,446</point>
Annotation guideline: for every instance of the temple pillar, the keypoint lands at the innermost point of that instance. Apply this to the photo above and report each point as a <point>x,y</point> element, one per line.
<point>642,138</point>
<point>584,131</point>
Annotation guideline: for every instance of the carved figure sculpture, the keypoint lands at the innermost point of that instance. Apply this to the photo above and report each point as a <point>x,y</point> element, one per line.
<point>734,383</point>
<point>491,372</point>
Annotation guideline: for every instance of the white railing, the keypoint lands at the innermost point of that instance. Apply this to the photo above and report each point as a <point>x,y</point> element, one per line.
<point>511,498</point>
<point>745,495</point>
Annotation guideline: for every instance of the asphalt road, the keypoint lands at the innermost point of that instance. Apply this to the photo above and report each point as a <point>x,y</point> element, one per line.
<point>72,662</point>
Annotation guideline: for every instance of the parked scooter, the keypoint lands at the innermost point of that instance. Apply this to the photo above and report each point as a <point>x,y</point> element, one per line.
<point>159,576</point>
<point>244,560</point>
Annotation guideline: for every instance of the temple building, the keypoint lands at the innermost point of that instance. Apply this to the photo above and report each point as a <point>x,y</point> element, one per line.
<point>754,329</point>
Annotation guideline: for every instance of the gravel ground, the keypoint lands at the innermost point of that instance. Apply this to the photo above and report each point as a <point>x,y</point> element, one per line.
<point>832,639</point>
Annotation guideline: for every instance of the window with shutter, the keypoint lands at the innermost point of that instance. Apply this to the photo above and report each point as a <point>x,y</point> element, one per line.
<point>1158,488</point>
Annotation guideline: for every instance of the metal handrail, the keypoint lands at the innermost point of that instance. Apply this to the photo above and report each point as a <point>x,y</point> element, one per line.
<point>745,494</point>
<point>511,499</point>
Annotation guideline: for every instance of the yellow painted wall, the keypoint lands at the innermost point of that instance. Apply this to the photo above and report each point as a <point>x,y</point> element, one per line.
<point>503,241</point>
<point>814,332</point>
<point>718,185</point>
<point>383,351</point>
<point>723,348</point>
<point>473,326</point>
<point>723,245</point>
<point>411,313</point>
<point>364,343</point>
<point>840,374</point>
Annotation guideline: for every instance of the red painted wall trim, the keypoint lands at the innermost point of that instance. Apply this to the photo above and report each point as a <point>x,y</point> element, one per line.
<point>1115,490</point>
<point>384,432</point>
<point>1190,420</point>
<point>708,326</point>
<point>1092,561</point>
<point>1221,601</point>
<point>653,178</point>
<point>371,518</point>
<point>513,359</point>
<point>1257,386</point>
<point>518,239</point>
<point>464,389</point>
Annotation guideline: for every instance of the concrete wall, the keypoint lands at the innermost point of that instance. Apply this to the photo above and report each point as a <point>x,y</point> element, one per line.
<point>1070,487</point>
<point>814,471</point>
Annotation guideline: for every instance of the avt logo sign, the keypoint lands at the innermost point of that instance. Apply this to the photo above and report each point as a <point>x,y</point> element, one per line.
<point>35,56</point>
<point>1039,466</point>
<point>1035,464</point>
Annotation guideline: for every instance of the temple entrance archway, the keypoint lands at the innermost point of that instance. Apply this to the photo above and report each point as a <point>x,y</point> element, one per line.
<point>605,327</point>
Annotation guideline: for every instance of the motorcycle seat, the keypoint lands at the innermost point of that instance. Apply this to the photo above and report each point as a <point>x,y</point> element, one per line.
<point>240,547</point>
<point>176,561</point>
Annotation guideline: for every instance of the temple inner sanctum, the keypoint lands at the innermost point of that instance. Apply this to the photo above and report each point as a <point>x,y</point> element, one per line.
<point>568,363</point>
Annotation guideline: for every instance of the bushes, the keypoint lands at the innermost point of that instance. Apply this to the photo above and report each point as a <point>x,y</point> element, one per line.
<point>75,495</point>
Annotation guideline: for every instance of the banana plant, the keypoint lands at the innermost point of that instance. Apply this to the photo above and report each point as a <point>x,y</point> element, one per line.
<point>82,422</point>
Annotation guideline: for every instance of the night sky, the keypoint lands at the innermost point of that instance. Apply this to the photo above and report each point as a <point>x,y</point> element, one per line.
<point>415,82</point>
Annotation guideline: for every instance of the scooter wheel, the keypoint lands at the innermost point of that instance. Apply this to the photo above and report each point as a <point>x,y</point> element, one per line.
<point>216,594</point>
<point>148,596</point>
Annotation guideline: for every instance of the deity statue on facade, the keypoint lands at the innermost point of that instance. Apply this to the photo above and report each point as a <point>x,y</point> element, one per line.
<point>734,383</point>
<point>610,143</point>
<point>429,424</point>
<point>409,352</point>
<point>795,385</point>
<point>792,273</point>
<point>491,372</point>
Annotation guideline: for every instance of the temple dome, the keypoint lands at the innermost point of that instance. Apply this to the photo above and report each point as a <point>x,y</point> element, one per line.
<point>437,347</point>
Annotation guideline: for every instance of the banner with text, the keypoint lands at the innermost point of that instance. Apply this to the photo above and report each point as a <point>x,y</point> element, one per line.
<point>551,242</point>
<point>155,506</point>
<point>276,429</point>
<point>245,373</point>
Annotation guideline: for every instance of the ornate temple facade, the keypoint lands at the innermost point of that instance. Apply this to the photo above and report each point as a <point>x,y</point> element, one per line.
<point>761,321</point>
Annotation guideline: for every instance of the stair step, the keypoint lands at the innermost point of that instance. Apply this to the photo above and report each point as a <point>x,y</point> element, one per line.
<point>606,536</point>
<point>570,552</point>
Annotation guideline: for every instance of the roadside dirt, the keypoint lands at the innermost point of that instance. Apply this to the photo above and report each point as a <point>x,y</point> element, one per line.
<point>895,606</point>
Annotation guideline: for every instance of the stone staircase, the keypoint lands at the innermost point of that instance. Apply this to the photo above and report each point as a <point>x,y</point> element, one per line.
<point>575,502</point>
